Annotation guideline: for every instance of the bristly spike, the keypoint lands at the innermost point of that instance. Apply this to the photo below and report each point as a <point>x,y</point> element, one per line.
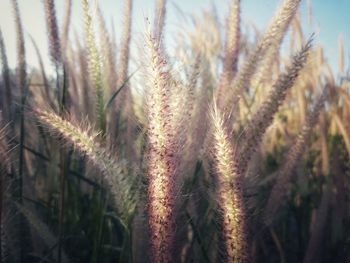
<point>292,157</point>
<point>86,141</point>
<point>232,46</point>
<point>161,157</point>
<point>94,65</point>
<point>264,115</point>
<point>159,19</point>
<point>278,26</point>
<point>53,33</point>
<point>230,191</point>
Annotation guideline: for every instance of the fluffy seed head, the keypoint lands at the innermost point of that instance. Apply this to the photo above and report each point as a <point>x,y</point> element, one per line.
<point>229,191</point>
<point>86,141</point>
<point>161,159</point>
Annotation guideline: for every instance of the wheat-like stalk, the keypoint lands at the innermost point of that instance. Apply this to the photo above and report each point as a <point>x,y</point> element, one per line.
<point>21,52</point>
<point>120,184</point>
<point>108,55</point>
<point>191,89</point>
<point>277,28</point>
<point>161,157</point>
<point>229,191</point>
<point>53,32</point>
<point>94,65</point>
<point>294,154</point>
<point>84,83</point>
<point>232,45</point>
<point>263,117</point>
<point>125,44</point>
<point>126,96</point>
<point>203,129</point>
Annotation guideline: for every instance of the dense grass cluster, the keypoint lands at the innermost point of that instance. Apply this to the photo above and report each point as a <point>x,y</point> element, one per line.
<point>225,150</point>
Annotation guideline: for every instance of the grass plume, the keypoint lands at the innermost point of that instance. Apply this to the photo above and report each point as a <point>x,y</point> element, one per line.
<point>292,157</point>
<point>87,142</point>
<point>264,115</point>
<point>94,66</point>
<point>230,191</point>
<point>161,161</point>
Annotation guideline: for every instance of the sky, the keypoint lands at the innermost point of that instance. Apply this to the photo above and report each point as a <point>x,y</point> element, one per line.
<point>331,18</point>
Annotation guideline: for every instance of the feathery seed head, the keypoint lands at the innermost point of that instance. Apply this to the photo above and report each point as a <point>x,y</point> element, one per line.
<point>120,184</point>
<point>292,157</point>
<point>159,19</point>
<point>94,65</point>
<point>21,53</point>
<point>52,28</point>
<point>277,28</point>
<point>229,191</point>
<point>161,157</point>
<point>264,115</point>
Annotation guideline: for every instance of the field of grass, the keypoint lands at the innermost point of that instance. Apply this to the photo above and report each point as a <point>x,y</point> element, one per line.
<point>224,150</point>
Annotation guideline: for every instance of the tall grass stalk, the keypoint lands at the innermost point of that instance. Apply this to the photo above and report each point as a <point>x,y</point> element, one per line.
<point>278,26</point>
<point>161,157</point>
<point>230,191</point>
<point>183,163</point>
<point>114,173</point>
<point>22,85</point>
<point>66,25</point>
<point>53,33</point>
<point>284,174</point>
<point>94,66</point>
<point>7,99</point>
<point>262,119</point>
<point>58,61</point>
<point>125,105</point>
<point>232,46</point>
